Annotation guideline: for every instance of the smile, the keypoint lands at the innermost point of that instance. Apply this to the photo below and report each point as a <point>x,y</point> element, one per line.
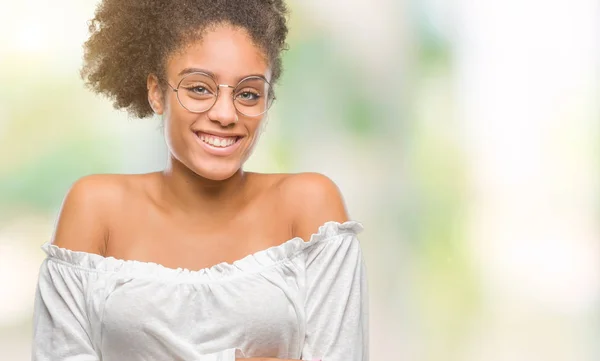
<point>218,145</point>
<point>216,141</point>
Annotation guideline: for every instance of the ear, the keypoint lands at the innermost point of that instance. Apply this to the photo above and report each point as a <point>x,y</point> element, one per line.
<point>155,95</point>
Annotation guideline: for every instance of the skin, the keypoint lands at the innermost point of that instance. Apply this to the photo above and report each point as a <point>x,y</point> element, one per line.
<point>202,209</point>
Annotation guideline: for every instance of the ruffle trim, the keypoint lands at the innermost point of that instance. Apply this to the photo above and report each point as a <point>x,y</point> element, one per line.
<point>249,264</point>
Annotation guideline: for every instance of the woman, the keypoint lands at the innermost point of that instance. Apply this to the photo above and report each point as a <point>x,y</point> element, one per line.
<point>191,263</point>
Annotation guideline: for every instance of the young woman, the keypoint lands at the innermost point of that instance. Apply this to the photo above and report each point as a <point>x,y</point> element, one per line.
<point>202,261</point>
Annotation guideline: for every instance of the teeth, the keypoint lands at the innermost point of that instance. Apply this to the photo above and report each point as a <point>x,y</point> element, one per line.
<point>217,141</point>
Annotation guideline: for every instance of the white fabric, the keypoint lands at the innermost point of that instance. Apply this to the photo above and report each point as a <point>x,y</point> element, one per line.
<point>298,300</point>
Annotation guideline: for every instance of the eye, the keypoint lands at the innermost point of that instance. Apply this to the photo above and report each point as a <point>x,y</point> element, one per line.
<point>248,95</point>
<point>198,90</point>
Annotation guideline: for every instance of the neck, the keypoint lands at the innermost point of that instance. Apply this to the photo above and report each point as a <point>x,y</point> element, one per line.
<point>186,191</point>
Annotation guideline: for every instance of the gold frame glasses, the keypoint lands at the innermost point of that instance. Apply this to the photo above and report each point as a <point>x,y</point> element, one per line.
<point>210,94</point>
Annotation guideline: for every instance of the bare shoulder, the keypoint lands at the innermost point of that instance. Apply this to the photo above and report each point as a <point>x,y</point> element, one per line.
<point>313,199</point>
<point>83,221</point>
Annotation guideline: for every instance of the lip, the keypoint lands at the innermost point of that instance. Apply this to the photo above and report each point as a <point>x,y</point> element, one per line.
<point>220,152</point>
<point>218,134</point>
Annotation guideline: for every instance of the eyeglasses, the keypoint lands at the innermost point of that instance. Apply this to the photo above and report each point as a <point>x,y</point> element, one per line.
<point>198,93</point>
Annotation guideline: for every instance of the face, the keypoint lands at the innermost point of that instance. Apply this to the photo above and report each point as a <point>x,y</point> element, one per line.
<point>215,143</point>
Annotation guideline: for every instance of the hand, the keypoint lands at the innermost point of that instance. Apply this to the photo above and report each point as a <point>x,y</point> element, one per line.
<point>264,359</point>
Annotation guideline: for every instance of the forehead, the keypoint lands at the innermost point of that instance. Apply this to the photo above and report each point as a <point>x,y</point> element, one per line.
<point>226,51</point>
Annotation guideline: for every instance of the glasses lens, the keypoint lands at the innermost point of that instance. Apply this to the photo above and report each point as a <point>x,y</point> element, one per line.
<point>252,96</point>
<point>197,92</point>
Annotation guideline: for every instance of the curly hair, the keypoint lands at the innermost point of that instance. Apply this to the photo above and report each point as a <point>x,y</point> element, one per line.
<point>130,39</point>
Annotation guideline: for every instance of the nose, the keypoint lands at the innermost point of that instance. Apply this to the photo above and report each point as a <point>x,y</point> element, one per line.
<point>223,111</point>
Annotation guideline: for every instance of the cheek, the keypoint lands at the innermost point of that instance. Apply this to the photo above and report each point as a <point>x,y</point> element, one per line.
<point>256,130</point>
<point>177,129</point>
<point>172,106</point>
<point>261,126</point>
<point>178,117</point>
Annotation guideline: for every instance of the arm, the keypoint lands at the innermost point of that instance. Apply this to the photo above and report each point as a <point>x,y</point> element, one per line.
<point>336,285</point>
<point>82,224</point>
<point>61,325</point>
<point>336,301</point>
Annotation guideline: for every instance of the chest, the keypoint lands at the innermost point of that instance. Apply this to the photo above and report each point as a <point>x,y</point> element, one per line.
<point>262,316</point>
<point>148,235</point>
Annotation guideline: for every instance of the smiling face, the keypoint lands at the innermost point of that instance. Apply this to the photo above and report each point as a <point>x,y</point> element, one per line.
<point>215,143</point>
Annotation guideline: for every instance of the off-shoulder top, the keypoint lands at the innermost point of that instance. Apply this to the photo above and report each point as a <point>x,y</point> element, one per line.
<point>299,300</point>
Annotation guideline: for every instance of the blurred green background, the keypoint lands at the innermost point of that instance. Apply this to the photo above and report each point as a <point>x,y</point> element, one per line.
<point>464,135</point>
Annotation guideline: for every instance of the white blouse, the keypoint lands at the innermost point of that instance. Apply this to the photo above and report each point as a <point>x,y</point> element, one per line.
<point>299,300</point>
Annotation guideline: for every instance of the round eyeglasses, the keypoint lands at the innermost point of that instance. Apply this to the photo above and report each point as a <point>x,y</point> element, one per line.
<point>198,92</point>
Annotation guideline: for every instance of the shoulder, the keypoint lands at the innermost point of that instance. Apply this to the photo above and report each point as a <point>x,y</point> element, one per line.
<point>97,187</point>
<point>83,221</point>
<point>313,199</point>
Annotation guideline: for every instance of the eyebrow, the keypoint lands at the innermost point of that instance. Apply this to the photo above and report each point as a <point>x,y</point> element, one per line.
<point>187,71</point>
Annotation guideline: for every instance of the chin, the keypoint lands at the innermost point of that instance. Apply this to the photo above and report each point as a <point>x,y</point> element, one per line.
<point>216,172</point>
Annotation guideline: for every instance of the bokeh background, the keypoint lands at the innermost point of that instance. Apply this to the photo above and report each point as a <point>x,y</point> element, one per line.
<point>464,135</point>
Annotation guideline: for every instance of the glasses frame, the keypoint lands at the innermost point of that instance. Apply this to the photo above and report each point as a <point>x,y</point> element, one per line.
<point>219,86</point>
